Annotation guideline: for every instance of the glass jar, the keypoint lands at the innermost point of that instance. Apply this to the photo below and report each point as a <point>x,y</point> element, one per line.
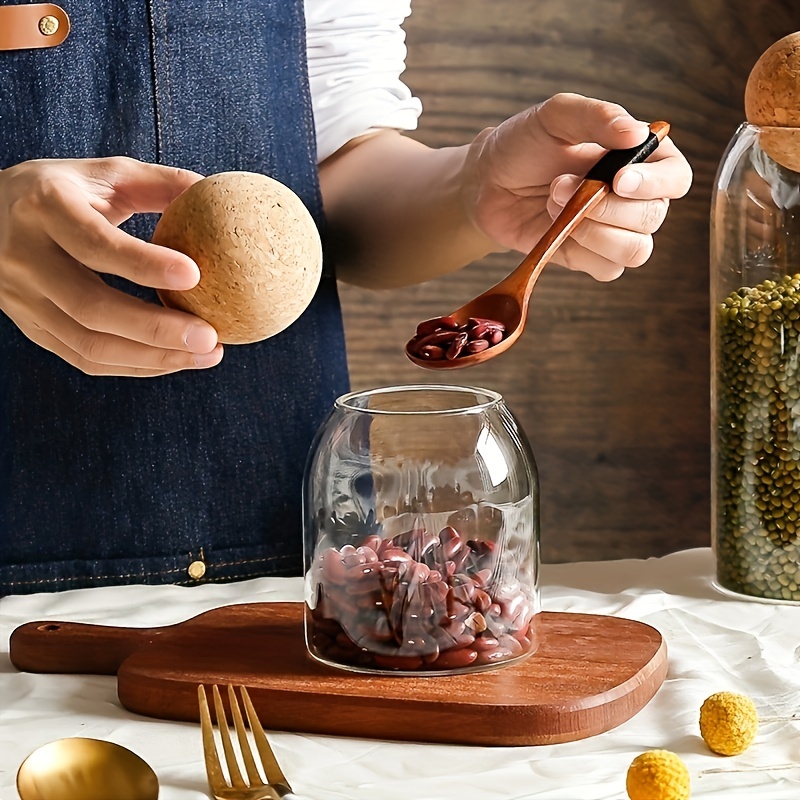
<point>421,533</point>
<point>755,365</point>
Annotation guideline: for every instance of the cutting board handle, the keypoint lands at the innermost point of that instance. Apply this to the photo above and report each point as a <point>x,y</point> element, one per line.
<point>74,647</point>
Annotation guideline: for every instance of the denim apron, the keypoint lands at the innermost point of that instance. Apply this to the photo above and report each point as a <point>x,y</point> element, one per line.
<point>189,477</point>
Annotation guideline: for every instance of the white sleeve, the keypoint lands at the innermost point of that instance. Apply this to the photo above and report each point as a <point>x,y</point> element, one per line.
<point>356,54</point>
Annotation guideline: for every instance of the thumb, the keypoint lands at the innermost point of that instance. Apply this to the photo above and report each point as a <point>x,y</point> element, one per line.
<point>575,119</point>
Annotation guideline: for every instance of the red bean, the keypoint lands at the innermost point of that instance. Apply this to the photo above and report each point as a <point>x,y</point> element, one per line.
<point>473,322</point>
<point>333,566</point>
<point>511,644</point>
<point>396,555</point>
<point>496,656</point>
<point>512,607</point>
<point>495,337</point>
<point>455,659</point>
<point>482,577</point>
<point>354,559</point>
<point>373,542</point>
<point>438,588</point>
<point>457,610</point>
<point>381,600</point>
<point>522,634</point>
<point>456,346</point>
<point>476,346</point>
<point>437,323</point>
<point>465,593</point>
<point>482,600</point>
<point>369,585</point>
<point>432,352</point>
<point>438,339</point>
<point>369,554</point>
<point>486,643</point>
<point>398,662</point>
<point>445,338</point>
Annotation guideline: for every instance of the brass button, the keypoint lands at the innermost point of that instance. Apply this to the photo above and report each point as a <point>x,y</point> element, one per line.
<point>196,570</point>
<point>48,25</point>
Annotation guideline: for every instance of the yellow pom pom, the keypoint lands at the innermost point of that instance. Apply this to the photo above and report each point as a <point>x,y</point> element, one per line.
<point>728,723</point>
<point>657,775</point>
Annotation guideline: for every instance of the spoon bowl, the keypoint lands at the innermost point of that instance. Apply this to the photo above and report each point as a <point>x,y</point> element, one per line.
<point>85,769</point>
<point>507,301</point>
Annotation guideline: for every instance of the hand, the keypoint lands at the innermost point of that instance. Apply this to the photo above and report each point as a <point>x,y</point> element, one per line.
<point>58,228</point>
<point>519,176</point>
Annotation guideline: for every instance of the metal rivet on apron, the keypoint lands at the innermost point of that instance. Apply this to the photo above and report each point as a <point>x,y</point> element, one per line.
<point>48,25</point>
<point>196,570</point>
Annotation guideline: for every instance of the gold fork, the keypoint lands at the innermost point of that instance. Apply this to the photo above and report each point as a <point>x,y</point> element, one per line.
<point>277,787</point>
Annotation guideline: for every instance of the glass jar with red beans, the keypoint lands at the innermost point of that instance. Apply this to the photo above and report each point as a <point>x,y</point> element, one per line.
<point>421,533</point>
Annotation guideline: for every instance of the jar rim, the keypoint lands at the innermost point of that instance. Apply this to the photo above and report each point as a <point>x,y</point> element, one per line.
<point>755,126</point>
<point>492,399</point>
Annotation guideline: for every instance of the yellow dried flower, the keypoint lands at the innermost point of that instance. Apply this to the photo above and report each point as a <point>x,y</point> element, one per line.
<point>658,775</point>
<point>728,723</point>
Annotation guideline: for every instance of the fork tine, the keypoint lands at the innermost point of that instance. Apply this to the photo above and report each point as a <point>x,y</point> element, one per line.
<point>227,746</point>
<point>244,744</point>
<point>270,763</point>
<point>216,780</point>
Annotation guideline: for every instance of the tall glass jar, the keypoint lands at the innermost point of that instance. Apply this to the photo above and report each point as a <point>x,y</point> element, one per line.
<point>421,509</point>
<point>755,299</point>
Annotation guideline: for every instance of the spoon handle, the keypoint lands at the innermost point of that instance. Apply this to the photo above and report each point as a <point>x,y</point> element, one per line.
<point>594,187</point>
<point>614,160</point>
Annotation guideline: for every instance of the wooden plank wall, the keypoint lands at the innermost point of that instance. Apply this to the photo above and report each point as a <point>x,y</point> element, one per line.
<point>610,381</point>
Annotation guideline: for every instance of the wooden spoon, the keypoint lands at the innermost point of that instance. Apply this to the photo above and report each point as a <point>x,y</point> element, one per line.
<point>507,301</point>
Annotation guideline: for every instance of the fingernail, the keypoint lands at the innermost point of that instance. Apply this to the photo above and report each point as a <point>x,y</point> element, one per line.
<point>200,339</point>
<point>563,190</point>
<point>625,123</point>
<point>629,181</point>
<point>208,359</point>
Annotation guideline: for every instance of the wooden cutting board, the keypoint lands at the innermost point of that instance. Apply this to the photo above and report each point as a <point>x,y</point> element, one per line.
<point>590,674</point>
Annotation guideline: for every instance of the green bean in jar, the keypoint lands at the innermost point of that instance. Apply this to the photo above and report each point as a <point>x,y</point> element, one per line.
<point>757,447</point>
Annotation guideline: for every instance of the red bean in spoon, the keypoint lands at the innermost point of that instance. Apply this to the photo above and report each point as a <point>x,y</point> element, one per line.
<point>490,323</point>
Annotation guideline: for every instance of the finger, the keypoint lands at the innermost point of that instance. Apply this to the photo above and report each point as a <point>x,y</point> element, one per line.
<point>86,235</point>
<point>575,257</point>
<point>101,353</point>
<point>641,216</point>
<point>623,248</point>
<point>575,119</point>
<point>88,300</point>
<point>49,342</point>
<point>129,186</point>
<point>665,174</point>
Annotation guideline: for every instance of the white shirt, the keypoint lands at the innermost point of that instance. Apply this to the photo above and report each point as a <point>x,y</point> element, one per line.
<point>356,54</point>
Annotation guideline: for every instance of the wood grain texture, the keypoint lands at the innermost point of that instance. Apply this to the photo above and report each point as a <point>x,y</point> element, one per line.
<point>589,674</point>
<point>610,381</point>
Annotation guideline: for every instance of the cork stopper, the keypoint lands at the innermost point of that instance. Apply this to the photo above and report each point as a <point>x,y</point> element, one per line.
<point>258,250</point>
<point>772,100</point>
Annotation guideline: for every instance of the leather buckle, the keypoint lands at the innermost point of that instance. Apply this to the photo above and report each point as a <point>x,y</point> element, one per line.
<point>32,25</point>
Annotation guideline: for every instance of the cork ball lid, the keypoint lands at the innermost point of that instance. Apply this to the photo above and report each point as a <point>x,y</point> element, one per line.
<point>772,100</point>
<point>257,248</point>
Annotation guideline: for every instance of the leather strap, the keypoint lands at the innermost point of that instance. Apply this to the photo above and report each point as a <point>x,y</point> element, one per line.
<point>32,25</point>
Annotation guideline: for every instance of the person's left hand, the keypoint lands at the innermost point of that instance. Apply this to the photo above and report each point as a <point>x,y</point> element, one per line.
<point>520,174</point>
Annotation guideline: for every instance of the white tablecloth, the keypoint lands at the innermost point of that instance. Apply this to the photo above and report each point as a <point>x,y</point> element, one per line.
<point>715,643</point>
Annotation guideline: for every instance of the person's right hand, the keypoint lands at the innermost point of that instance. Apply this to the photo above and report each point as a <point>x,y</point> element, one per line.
<point>58,228</point>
